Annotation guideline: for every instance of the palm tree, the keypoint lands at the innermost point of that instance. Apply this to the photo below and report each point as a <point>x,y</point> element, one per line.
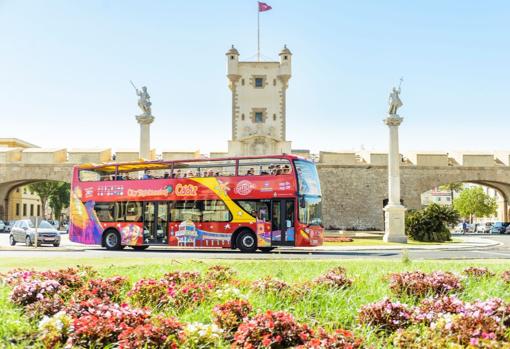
<point>453,188</point>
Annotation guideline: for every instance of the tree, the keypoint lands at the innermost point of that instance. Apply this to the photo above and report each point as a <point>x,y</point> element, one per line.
<point>59,199</point>
<point>431,223</point>
<point>473,202</point>
<point>44,190</point>
<point>452,188</point>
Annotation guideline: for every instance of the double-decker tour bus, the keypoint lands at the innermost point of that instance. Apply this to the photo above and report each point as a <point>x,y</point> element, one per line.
<point>248,203</point>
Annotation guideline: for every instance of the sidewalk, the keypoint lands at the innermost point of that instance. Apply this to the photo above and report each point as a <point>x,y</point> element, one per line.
<point>467,243</point>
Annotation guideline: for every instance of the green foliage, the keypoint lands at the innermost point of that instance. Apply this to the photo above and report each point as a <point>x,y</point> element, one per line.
<point>56,193</point>
<point>405,256</point>
<point>59,199</point>
<point>431,223</point>
<point>44,190</point>
<point>453,187</point>
<point>474,202</point>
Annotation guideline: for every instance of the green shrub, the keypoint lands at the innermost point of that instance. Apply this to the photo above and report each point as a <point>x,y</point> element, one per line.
<point>431,223</point>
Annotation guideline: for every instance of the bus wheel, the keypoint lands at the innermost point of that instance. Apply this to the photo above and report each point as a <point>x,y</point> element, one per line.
<point>246,241</point>
<point>266,249</point>
<point>112,240</point>
<point>139,248</point>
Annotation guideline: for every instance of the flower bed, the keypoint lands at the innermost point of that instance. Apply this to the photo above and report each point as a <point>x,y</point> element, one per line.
<point>76,307</point>
<point>478,272</point>
<point>419,284</point>
<point>335,277</point>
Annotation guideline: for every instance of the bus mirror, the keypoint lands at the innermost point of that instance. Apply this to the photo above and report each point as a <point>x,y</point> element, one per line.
<point>302,202</point>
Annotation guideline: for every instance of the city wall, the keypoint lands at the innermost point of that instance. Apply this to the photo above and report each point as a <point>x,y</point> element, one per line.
<point>354,184</point>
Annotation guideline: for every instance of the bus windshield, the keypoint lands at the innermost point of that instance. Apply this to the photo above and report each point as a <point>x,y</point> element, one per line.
<point>308,178</point>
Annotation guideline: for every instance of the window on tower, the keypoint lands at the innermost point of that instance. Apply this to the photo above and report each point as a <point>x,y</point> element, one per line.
<point>259,82</point>
<point>258,115</point>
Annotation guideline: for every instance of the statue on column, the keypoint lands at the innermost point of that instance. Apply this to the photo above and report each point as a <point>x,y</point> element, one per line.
<point>144,99</point>
<point>394,100</point>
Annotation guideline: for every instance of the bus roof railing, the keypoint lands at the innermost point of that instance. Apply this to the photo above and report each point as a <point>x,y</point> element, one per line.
<point>166,164</point>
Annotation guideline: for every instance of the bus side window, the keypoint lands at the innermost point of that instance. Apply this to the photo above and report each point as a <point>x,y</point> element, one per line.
<point>105,211</point>
<point>134,211</point>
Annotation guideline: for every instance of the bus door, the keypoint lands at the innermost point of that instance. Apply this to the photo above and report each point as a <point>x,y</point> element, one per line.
<point>155,222</point>
<point>282,222</point>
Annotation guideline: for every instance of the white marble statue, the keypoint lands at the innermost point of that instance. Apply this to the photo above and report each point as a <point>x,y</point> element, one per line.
<point>144,100</point>
<point>394,100</point>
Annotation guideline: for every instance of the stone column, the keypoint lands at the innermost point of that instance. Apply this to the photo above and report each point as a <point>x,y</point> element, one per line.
<point>394,212</point>
<point>145,135</point>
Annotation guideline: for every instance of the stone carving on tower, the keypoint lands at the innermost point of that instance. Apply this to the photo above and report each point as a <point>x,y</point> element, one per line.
<point>258,104</point>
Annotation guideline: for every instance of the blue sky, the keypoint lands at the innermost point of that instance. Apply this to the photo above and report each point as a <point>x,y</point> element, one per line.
<point>65,68</point>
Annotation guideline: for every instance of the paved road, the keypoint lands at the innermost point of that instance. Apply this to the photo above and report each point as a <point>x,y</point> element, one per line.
<point>498,252</point>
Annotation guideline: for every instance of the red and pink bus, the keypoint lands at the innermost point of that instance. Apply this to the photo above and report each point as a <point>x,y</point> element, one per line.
<point>247,203</point>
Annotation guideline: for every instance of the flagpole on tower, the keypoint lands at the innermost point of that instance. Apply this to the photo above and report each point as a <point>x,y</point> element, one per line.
<point>261,7</point>
<point>258,33</point>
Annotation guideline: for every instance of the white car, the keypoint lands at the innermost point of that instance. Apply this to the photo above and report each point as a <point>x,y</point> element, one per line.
<point>2,226</point>
<point>484,228</point>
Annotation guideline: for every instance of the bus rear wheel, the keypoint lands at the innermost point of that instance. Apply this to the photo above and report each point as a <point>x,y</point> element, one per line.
<point>139,248</point>
<point>246,241</point>
<point>112,240</point>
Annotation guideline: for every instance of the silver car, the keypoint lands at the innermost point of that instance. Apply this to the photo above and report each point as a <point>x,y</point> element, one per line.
<point>25,231</point>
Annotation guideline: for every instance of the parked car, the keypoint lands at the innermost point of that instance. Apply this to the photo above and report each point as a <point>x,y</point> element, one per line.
<point>470,228</point>
<point>499,227</point>
<point>54,223</point>
<point>8,226</point>
<point>25,231</point>
<point>484,228</point>
<point>2,226</point>
<point>507,231</point>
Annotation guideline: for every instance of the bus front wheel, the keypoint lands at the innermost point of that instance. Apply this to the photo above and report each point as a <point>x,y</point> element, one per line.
<point>246,241</point>
<point>112,240</point>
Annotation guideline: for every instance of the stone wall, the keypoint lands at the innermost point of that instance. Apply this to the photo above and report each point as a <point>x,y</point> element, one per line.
<point>353,196</point>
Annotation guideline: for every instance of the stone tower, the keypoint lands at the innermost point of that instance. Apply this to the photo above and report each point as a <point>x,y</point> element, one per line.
<point>258,104</point>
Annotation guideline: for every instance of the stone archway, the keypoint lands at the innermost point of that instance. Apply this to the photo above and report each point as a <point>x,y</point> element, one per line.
<point>5,193</point>
<point>15,175</point>
<point>412,192</point>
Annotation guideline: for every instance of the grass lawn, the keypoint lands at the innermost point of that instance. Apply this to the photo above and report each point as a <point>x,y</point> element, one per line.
<point>380,242</point>
<point>330,308</point>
